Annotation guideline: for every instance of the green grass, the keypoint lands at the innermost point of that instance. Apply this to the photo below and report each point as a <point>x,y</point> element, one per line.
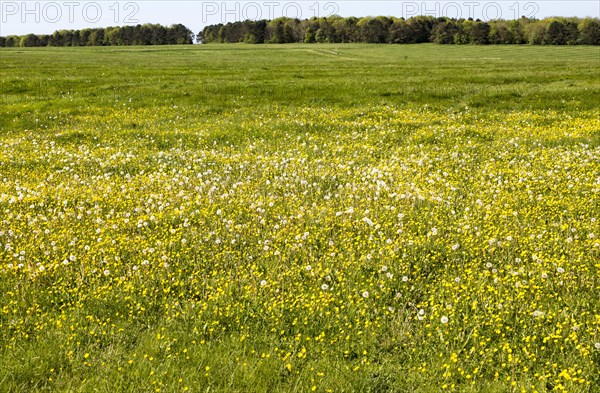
<point>179,178</point>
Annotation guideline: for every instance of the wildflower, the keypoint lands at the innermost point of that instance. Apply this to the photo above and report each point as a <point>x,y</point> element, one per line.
<point>263,283</point>
<point>365,294</point>
<point>324,287</point>
<point>106,272</point>
<point>444,319</point>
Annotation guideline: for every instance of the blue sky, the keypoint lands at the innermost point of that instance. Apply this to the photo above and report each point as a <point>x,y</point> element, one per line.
<point>44,17</point>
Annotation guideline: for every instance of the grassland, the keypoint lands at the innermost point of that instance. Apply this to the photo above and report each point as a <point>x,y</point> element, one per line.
<point>300,218</point>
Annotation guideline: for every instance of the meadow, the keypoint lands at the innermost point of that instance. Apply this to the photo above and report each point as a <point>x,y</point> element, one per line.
<point>295,218</point>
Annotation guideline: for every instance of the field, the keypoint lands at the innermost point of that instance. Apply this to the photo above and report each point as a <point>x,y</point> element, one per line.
<point>356,218</point>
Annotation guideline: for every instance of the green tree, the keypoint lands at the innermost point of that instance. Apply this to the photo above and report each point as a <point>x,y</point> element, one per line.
<point>500,33</point>
<point>113,36</point>
<point>12,41</point>
<point>400,32</point>
<point>29,40</point>
<point>96,37</point>
<point>443,32</point>
<point>373,31</point>
<point>535,32</point>
<point>479,33</point>
<point>274,31</point>
<point>589,32</point>
<point>517,31</point>
<point>420,27</point>
<point>84,37</point>
<point>555,34</point>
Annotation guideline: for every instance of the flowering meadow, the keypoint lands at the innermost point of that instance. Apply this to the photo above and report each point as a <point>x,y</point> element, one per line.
<point>168,225</point>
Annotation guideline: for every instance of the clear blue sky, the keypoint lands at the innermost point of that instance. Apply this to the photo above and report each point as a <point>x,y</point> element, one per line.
<point>44,17</point>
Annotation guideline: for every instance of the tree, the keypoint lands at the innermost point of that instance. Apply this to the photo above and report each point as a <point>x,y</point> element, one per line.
<point>113,36</point>
<point>400,33</point>
<point>556,34</point>
<point>29,40</point>
<point>335,29</point>
<point>517,31</point>
<point>461,37</point>
<point>572,32</point>
<point>75,37</point>
<point>43,39</point>
<point>373,31</point>
<point>310,30</point>
<point>589,32</point>
<point>96,37</point>
<point>346,28</point>
<point>84,37</point>
<point>292,31</point>
<point>500,33</point>
<point>444,31</point>
<point>420,27</point>
<point>12,41</point>
<point>274,31</point>
<point>255,31</point>
<point>535,31</point>
<point>479,33</point>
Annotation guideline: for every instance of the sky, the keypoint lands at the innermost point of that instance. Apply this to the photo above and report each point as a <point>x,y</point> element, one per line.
<point>44,17</point>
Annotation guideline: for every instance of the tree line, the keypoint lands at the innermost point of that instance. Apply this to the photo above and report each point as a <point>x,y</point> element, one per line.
<point>147,34</point>
<point>418,29</point>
